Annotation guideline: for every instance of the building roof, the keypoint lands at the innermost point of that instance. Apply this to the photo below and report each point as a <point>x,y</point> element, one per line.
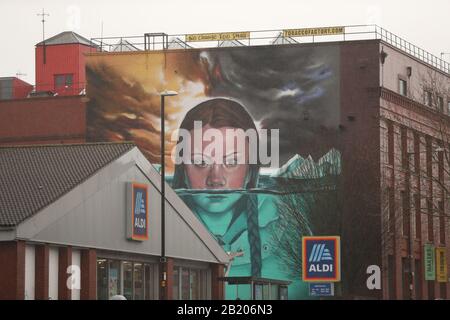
<point>67,37</point>
<point>32,177</point>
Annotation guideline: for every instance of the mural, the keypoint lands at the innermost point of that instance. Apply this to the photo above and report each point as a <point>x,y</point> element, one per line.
<point>251,142</point>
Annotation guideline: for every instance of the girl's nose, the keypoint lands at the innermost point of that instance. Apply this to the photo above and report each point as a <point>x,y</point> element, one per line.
<point>216,178</point>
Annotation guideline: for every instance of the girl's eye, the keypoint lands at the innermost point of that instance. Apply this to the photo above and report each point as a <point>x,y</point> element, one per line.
<point>231,162</point>
<point>199,162</point>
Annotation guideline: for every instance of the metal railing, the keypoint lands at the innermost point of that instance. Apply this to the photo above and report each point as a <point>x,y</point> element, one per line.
<point>163,41</point>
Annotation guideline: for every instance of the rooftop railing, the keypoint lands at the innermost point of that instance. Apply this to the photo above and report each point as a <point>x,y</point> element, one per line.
<point>163,41</point>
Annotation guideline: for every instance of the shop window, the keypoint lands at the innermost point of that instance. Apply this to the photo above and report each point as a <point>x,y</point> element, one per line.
<point>185,284</point>
<point>128,280</point>
<point>195,285</point>
<point>138,281</point>
<point>258,292</point>
<point>102,279</point>
<point>133,280</point>
<point>274,292</point>
<point>150,272</point>
<point>114,278</point>
<point>283,293</point>
<point>266,292</point>
<point>176,283</point>
<point>189,284</point>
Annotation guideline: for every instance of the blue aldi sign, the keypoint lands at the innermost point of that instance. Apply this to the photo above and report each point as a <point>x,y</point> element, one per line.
<point>321,259</point>
<point>137,213</point>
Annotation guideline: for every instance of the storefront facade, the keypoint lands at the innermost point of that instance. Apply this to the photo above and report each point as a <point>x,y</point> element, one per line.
<point>70,237</point>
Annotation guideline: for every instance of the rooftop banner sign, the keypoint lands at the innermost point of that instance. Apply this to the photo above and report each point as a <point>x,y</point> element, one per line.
<point>137,211</point>
<point>217,36</point>
<point>308,32</point>
<point>321,259</point>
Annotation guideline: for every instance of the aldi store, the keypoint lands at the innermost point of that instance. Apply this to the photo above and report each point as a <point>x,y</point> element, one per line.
<point>83,221</point>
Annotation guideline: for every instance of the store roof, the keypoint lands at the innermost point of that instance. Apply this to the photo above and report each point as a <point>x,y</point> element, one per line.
<point>32,177</point>
<point>67,37</point>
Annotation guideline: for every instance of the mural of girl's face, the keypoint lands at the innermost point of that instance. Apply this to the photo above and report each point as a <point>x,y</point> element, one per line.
<point>207,172</point>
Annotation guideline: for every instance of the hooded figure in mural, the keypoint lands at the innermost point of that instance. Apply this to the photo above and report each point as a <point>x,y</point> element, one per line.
<point>229,214</point>
<point>225,197</point>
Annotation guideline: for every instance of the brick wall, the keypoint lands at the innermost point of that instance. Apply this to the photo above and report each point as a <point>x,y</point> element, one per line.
<point>12,270</point>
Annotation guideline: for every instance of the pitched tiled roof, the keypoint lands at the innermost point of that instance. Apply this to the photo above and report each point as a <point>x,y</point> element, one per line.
<point>67,37</point>
<point>32,177</point>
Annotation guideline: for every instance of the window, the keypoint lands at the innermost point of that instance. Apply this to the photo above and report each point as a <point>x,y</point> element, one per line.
<point>134,280</point>
<point>403,87</point>
<point>441,222</point>
<point>390,151</point>
<point>418,212</point>
<point>443,290</point>
<point>404,147</point>
<point>405,214</point>
<point>150,272</point>
<point>128,280</point>
<point>391,208</point>
<point>429,156</point>
<point>63,81</point>
<point>176,284</point>
<point>406,272</point>
<point>189,283</point>
<point>440,156</point>
<point>138,281</point>
<point>440,104</point>
<point>428,98</point>
<point>448,105</point>
<point>391,273</point>
<point>416,152</point>
<point>418,279</point>
<point>102,279</point>
<point>430,220</point>
<point>430,290</point>
<point>114,278</point>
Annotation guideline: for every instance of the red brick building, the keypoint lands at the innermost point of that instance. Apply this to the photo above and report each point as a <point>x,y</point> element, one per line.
<point>60,64</point>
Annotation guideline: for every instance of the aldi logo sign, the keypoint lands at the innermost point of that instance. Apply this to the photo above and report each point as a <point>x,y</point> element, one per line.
<point>321,259</point>
<point>137,213</point>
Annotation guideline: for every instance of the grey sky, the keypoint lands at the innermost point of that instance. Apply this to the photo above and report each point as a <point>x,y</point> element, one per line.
<point>424,23</point>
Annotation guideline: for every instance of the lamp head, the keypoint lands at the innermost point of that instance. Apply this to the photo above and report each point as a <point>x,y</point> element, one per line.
<point>168,93</point>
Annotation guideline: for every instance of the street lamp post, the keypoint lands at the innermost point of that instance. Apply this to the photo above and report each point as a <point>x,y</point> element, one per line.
<point>163,281</point>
